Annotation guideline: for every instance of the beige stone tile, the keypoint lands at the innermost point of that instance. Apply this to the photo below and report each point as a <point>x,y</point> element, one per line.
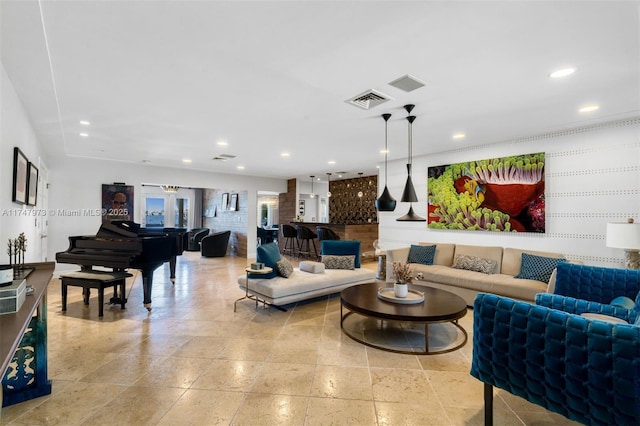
<point>123,370</point>
<point>228,375</point>
<point>137,405</point>
<point>285,379</point>
<point>294,351</point>
<point>264,409</point>
<point>174,372</point>
<point>385,359</point>
<point>8,415</point>
<point>307,333</point>
<point>457,389</point>
<point>248,349</point>
<point>343,353</point>
<point>332,381</point>
<point>70,366</point>
<point>64,408</point>
<point>255,330</point>
<point>202,347</point>
<point>203,407</point>
<point>394,413</point>
<point>306,318</point>
<point>399,385</point>
<point>452,361</point>
<point>502,415</point>
<point>339,412</point>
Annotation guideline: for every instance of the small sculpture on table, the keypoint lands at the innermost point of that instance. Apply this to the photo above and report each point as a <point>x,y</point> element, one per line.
<point>16,249</point>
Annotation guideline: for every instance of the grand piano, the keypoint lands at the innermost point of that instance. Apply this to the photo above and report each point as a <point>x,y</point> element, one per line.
<point>121,244</point>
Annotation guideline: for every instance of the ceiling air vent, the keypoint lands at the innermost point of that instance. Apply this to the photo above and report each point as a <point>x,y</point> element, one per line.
<point>223,157</point>
<point>407,83</point>
<point>369,99</point>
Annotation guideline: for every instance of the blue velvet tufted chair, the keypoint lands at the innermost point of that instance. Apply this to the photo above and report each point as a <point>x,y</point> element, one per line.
<point>586,369</point>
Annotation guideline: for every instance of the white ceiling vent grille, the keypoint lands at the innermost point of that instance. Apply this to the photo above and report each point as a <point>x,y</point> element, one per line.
<point>369,99</point>
<point>407,83</point>
<point>223,157</point>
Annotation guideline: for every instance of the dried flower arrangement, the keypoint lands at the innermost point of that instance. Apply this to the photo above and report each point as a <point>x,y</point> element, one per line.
<point>402,272</point>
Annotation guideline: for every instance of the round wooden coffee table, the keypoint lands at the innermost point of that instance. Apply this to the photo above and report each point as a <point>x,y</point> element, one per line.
<point>439,306</point>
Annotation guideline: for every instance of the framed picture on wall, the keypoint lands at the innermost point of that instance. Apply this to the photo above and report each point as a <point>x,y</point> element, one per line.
<point>117,202</point>
<point>233,202</point>
<point>32,185</point>
<point>20,170</point>
<point>225,201</point>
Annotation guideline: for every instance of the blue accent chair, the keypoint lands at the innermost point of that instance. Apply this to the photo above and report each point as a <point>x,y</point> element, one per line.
<point>587,370</point>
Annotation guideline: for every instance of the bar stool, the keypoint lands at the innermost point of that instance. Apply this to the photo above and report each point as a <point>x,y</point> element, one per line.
<point>290,235</point>
<point>304,236</point>
<point>325,233</point>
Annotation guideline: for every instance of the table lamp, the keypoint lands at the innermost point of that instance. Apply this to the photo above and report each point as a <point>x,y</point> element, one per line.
<point>626,235</point>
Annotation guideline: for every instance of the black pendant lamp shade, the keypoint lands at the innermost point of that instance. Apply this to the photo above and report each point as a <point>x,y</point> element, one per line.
<point>409,193</point>
<point>385,203</point>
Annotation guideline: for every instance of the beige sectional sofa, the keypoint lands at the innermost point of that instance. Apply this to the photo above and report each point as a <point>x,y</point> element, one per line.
<point>467,284</point>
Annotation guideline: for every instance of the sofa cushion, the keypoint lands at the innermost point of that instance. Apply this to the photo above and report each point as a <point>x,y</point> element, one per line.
<point>312,267</point>
<point>537,268</point>
<point>269,254</point>
<point>338,262</point>
<point>342,247</point>
<point>512,259</point>
<point>483,252</point>
<point>285,268</point>
<point>474,263</point>
<point>422,254</point>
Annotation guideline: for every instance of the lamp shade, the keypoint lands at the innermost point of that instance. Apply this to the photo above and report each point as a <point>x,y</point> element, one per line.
<point>623,235</point>
<point>386,203</point>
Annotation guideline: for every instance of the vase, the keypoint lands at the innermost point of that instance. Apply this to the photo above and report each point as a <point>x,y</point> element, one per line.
<point>400,289</point>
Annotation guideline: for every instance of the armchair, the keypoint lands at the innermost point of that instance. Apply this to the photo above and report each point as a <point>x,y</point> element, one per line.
<point>194,237</point>
<point>586,369</point>
<point>215,245</point>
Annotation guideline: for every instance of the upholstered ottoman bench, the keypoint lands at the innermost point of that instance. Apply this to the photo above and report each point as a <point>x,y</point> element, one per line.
<point>98,280</point>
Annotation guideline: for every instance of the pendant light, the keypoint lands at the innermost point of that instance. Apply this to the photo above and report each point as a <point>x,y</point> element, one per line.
<point>329,185</point>
<point>385,203</point>
<point>409,193</point>
<point>312,195</point>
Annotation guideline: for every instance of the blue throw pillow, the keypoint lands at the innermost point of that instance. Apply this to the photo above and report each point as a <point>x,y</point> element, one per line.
<point>269,254</point>
<point>422,254</point>
<point>538,267</point>
<point>342,248</point>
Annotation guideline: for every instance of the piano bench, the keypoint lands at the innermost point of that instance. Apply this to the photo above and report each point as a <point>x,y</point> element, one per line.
<point>95,279</point>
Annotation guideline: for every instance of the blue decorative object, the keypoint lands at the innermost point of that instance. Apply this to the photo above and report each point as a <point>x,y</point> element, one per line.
<point>422,254</point>
<point>269,254</point>
<point>342,248</point>
<point>586,370</point>
<point>623,302</point>
<point>538,268</point>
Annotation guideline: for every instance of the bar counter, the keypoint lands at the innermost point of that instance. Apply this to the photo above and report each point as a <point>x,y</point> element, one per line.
<point>366,233</point>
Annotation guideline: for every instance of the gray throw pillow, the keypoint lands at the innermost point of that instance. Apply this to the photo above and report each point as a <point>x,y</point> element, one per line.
<point>338,262</point>
<point>284,267</point>
<point>476,264</point>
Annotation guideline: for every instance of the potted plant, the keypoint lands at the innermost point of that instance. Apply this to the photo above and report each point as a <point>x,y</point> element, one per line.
<point>403,275</point>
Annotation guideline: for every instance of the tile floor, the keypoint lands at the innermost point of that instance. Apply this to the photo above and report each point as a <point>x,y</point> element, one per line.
<point>193,361</point>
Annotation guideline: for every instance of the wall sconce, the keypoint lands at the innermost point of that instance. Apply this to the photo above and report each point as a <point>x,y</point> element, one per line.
<point>626,236</point>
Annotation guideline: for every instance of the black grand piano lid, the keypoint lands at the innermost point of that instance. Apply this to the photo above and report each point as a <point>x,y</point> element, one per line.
<point>119,228</point>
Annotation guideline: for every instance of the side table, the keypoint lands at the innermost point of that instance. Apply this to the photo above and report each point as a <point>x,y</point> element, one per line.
<point>248,270</point>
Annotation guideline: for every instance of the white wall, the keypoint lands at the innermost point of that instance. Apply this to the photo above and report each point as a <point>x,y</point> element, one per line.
<point>76,185</point>
<point>592,177</point>
<point>16,131</point>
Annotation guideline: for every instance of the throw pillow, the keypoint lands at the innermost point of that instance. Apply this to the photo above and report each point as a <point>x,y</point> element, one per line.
<point>338,262</point>
<point>476,264</point>
<point>269,254</point>
<point>285,268</point>
<point>312,267</point>
<point>538,268</point>
<point>422,254</point>
<point>342,247</point>
<point>623,302</point>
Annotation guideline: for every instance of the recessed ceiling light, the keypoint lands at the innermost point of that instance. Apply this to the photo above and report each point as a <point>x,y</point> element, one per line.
<point>84,122</point>
<point>186,160</point>
<point>384,151</point>
<point>284,154</point>
<point>589,108</point>
<point>331,162</point>
<point>223,143</point>
<point>562,72</point>
<point>240,167</point>
<point>459,135</point>
<point>84,135</point>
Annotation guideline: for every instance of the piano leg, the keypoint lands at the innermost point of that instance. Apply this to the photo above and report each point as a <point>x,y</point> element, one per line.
<point>172,269</point>
<point>147,284</point>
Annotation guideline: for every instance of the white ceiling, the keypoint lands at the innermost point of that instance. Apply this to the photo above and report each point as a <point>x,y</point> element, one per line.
<point>161,81</point>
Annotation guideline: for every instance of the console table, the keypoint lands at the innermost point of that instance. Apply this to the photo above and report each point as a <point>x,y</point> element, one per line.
<point>23,341</point>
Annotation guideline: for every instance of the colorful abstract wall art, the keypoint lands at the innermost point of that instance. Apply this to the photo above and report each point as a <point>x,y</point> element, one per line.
<point>500,194</point>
